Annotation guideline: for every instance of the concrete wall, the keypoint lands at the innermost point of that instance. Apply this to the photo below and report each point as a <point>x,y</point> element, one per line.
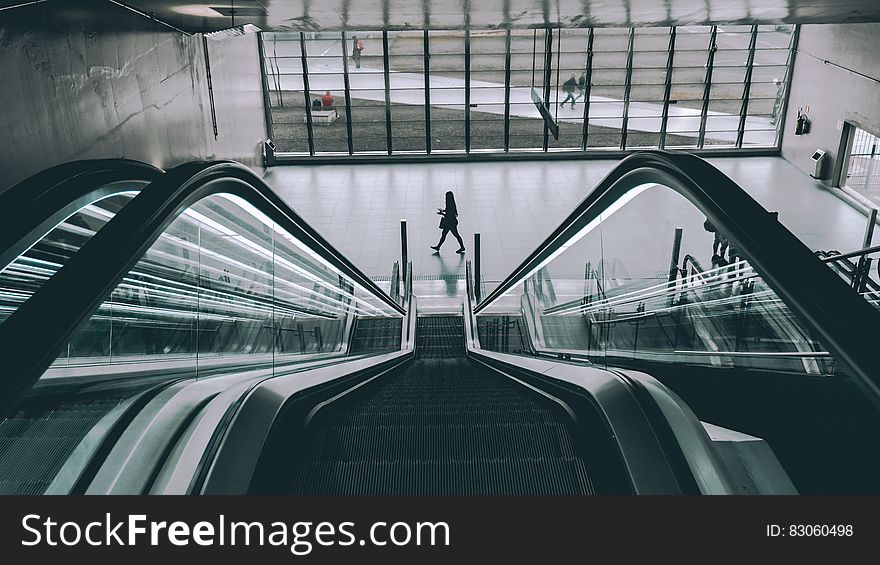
<point>833,94</point>
<point>92,80</point>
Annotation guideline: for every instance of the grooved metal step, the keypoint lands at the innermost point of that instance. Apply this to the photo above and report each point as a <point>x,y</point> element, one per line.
<point>35,442</point>
<point>441,425</point>
<point>478,477</point>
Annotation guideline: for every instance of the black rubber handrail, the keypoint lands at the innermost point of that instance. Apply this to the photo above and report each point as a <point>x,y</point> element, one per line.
<point>843,321</point>
<point>37,204</point>
<point>32,336</point>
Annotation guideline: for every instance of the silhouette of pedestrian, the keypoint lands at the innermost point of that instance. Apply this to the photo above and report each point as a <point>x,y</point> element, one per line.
<point>720,243</point>
<point>568,87</point>
<point>449,222</point>
<point>582,86</point>
<point>777,103</point>
<point>357,46</point>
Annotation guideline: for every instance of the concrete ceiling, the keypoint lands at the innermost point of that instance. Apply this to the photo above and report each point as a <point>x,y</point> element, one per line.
<point>312,15</point>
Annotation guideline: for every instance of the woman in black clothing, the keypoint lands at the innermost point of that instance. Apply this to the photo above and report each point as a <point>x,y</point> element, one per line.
<point>449,223</point>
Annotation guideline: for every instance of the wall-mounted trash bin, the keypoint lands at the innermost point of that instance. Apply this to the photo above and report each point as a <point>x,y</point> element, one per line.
<point>818,158</point>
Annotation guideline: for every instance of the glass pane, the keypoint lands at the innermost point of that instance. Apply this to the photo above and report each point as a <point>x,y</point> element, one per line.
<point>863,164</point>
<point>223,286</point>
<point>646,94</point>
<point>407,80</point>
<point>608,87</point>
<point>24,276</point>
<point>569,84</point>
<point>367,83</point>
<point>487,89</point>
<point>287,101</point>
<point>447,90</point>
<point>610,294</point>
<point>526,70</point>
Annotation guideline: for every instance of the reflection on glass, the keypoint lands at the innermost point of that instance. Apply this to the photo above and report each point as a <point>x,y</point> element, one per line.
<point>223,283</point>
<point>618,289</point>
<point>24,276</point>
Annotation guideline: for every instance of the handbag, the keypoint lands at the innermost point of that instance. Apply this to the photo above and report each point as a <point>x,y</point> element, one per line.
<point>442,222</point>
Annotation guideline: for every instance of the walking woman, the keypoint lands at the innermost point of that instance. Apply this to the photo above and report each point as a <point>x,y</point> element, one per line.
<point>449,222</point>
<point>357,47</point>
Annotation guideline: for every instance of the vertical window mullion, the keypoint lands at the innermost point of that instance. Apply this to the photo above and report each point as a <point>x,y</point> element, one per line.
<point>627,89</point>
<point>667,91</point>
<point>467,91</point>
<point>308,99</point>
<point>347,87</point>
<point>427,63</point>
<point>507,92</point>
<point>589,80</point>
<point>558,49</point>
<point>385,65</point>
<point>707,87</point>
<point>744,109</point>
<point>548,64</point>
<point>267,102</point>
<point>789,70</point>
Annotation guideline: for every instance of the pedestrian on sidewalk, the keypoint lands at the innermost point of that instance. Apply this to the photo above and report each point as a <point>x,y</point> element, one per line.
<point>777,103</point>
<point>449,223</point>
<point>568,87</point>
<point>357,46</point>
<point>582,86</point>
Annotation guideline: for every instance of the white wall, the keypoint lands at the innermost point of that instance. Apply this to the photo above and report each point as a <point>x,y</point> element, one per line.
<point>833,94</point>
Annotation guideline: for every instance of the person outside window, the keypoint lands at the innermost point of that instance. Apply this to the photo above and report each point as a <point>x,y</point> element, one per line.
<point>357,46</point>
<point>568,87</point>
<point>777,104</point>
<point>582,87</point>
<point>327,102</point>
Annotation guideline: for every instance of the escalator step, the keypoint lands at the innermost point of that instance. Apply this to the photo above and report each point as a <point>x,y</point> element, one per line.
<point>36,442</point>
<point>472,477</point>
<point>433,416</point>
<point>448,442</point>
<point>441,425</point>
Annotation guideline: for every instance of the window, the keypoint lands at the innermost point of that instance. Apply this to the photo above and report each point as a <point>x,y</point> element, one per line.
<point>455,91</point>
<point>447,90</point>
<point>863,164</point>
<point>284,74</point>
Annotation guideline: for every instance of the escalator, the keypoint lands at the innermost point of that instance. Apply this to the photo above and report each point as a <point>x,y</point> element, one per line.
<point>441,425</point>
<point>63,207</point>
<point>191,313</point>
<point>222,346</point>
<point>774,344</point>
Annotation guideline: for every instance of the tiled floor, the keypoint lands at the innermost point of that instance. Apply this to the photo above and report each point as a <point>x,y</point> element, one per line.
<point>515,205</point>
